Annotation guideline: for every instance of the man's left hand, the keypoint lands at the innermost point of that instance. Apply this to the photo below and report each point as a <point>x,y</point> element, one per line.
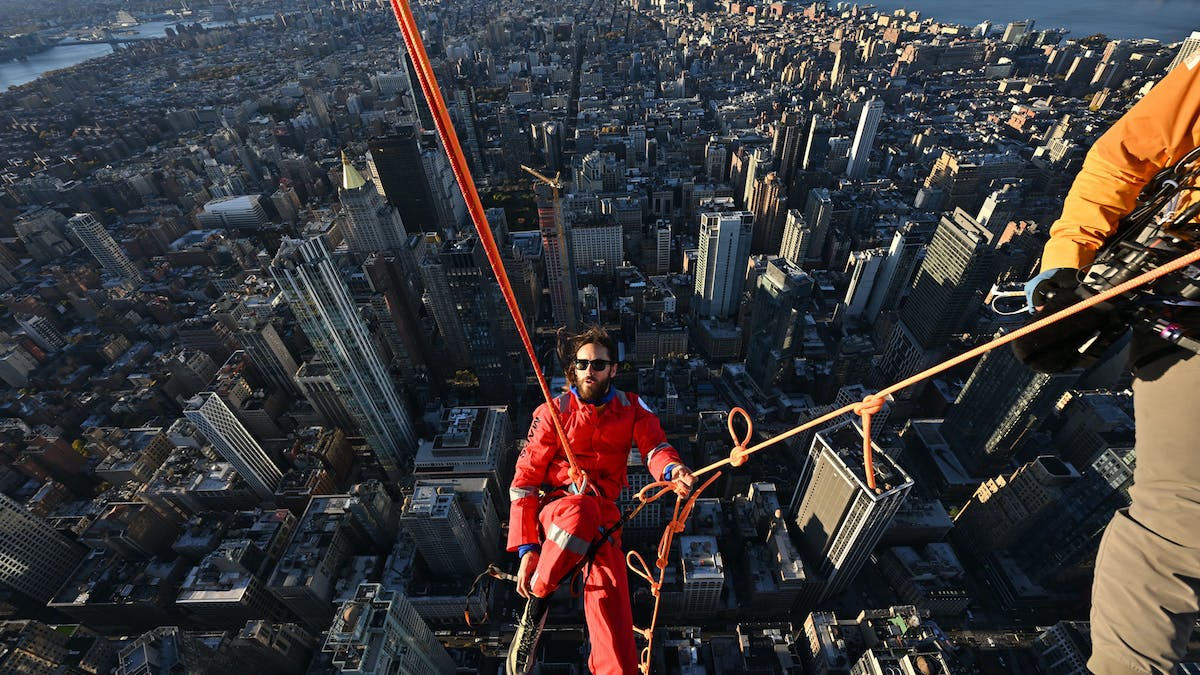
<point>683,480</point>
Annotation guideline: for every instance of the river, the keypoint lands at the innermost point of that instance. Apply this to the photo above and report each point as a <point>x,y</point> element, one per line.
<point>15,73</point>
<point>1166,20</point>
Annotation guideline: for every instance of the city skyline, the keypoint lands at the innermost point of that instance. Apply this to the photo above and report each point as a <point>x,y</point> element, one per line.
<point>260,381</point>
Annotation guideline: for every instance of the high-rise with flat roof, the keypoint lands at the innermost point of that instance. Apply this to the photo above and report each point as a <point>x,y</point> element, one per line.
<point>957,265</point>
<point>229,436</point>
<point>435,518</point>
<point>703,574</point>
<point>1002,403</point>
<point>318,295</point>
<point>101,244</point>
<point>560,270</point>
<point>396,168</point>
<point>471,442</point>
<point>267,352</point>
<point>34,558</point>
<point>721,268</point>
<point>840,518</point>
<point>864,138</point>
<point>379,633</point>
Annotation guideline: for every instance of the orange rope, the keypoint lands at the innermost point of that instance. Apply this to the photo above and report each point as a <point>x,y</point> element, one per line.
<point>683,511</point>
<point>873,403</point>
<point>869,406</point>
<point>462,173</point>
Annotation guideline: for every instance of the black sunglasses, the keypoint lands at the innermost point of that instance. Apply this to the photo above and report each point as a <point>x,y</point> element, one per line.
<point>596,364</point>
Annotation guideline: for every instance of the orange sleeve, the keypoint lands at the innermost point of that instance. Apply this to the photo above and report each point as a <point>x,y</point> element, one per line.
<point>1152,135</point>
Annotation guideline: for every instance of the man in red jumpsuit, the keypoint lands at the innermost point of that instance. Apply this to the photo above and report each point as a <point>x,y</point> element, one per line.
<point>601,423</point>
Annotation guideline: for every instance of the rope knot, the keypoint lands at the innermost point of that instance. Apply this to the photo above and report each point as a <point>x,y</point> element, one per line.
<point>870,405</point>
<point>738,455</point>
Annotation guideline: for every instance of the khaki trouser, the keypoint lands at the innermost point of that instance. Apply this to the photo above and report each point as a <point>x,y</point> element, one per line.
<point>1146,593</point>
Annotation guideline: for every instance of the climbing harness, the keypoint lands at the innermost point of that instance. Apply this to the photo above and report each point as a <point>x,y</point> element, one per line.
<point>1152,264</point>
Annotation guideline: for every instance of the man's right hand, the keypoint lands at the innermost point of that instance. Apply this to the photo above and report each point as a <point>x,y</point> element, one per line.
<point>1055,348</point>
<point>525,573</point>
<point>1054,287</point>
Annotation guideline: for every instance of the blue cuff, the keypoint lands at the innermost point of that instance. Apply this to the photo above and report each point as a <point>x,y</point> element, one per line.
<point>1032,284</point>
<point>527,548</point>
<point>670,468</point>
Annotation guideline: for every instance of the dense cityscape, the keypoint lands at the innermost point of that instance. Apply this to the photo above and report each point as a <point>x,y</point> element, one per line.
<point>264,397</point>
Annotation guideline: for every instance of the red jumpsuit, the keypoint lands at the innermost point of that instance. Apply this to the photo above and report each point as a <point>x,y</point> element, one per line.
<point>566,524</point>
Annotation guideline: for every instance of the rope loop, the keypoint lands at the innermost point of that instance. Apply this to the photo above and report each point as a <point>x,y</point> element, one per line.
<point>739,454</point>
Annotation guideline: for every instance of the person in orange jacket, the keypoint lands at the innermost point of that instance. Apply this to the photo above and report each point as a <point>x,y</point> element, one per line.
<point>552,527</point>
<point>1146,593</point>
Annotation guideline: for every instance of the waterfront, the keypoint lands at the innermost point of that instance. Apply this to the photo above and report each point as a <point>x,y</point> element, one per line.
<point>1166,20</point>
<point>14,73</point>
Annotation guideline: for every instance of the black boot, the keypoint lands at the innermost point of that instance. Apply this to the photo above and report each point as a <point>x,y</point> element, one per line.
<point>529,629</point>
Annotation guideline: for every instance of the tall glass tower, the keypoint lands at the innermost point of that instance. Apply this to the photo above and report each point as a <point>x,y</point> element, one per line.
<point>103,246</point>
<point>864,138</point>
<point>321,301</point>
<point>721,269</point>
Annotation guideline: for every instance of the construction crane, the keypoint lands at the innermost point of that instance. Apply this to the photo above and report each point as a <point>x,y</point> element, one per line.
<point>556,184</point>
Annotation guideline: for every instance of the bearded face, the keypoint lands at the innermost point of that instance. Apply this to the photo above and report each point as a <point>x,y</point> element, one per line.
<point>593,369</point>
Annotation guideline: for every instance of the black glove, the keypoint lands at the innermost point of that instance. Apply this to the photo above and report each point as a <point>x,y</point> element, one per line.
<point>1057,347</point>
<point>1051,283</point>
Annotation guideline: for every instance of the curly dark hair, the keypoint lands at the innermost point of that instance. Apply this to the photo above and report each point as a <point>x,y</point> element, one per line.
<point>569,346</point>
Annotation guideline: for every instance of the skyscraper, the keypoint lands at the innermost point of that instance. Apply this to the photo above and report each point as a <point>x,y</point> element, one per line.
<point>371,224</point>
<point>867,265</point>
<point>957,266</point>
<point>229,436</point>
<point>768,203</point>
<point>716,159</point>
<point>1190,46</point>
<point>818,213</point>
<point>840,519</point>
<point>816,150</point>
<point>560,272</point>
<point>703,574</point>
<point>724,249</point>
<point>379,633</point>
<point>396,168</point>
<point>759,165</point>
<point>1006,507</point>
<point>864,138</point>
<point>777,310</point>
<point>796,234</point>
<point>435,518</point>
<point>893,279</point>
<point>104,247</point>
<point>1002,403</point>
<point>34,558</point>
<point>318,295</point>
<point>267,352</point>
<point>476,328</point>
<point>788,145</point>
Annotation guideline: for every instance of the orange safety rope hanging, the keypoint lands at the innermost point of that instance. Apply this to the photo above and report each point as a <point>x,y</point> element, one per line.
<point>683,510</point>
<point>462,173</point>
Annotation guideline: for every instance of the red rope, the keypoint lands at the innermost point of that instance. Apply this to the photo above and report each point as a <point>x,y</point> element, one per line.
<point>462,173</point>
